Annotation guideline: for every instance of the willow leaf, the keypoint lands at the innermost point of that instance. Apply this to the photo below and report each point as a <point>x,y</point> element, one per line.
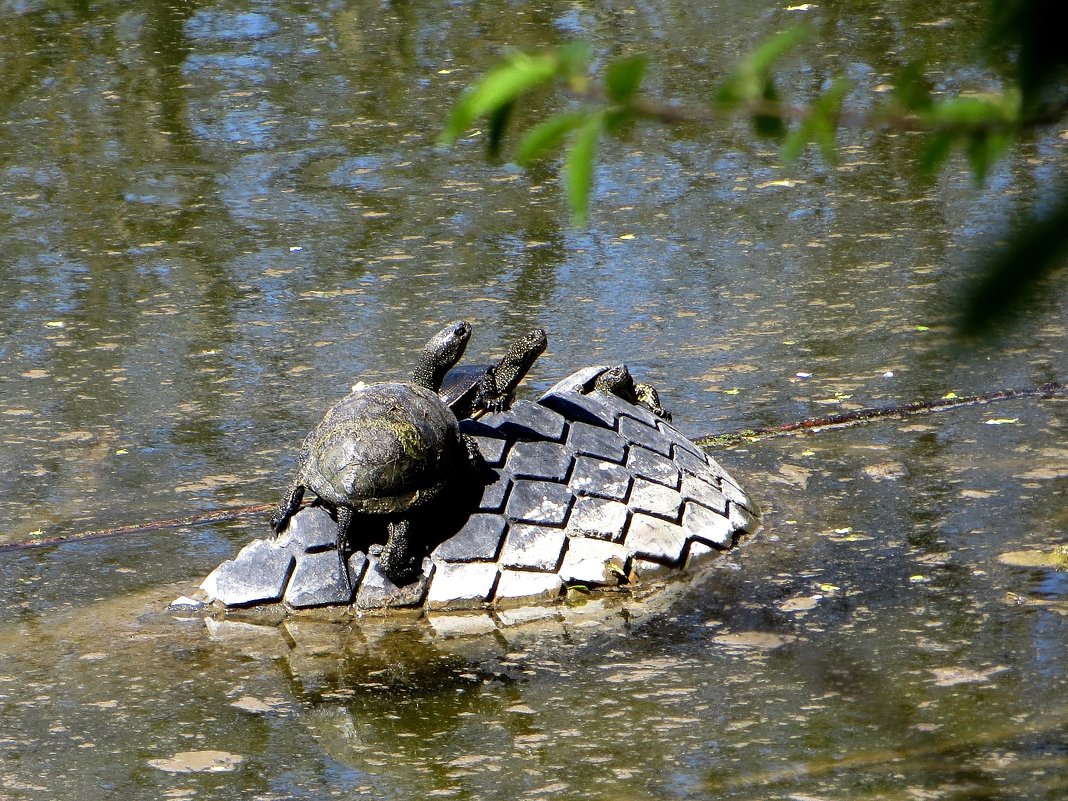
<point>498,121</point>
<point>769,126</point>
<point>747,82</point>
<point>624,76</point>
<point>546,136</point>
<point>1011,279</point>
<point>912,90</point>
<point>935,153</point>
<point>578,169</point>
<point>498,88</point>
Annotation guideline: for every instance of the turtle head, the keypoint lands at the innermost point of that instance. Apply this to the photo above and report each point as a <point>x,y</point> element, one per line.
<point>529,347</point>
<point>441,353</point>
<point>518,360</point>
<point>617,381</point>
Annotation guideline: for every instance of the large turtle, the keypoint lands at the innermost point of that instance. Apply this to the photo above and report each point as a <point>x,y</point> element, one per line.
<point>618,381</point>
<point>473,390</point>
<point>386,449</point>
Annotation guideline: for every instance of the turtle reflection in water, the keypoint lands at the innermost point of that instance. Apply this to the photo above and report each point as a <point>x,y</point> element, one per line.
<point>386,449</point>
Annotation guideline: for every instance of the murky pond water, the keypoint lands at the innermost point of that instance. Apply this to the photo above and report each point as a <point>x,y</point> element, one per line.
<point>220,215</point>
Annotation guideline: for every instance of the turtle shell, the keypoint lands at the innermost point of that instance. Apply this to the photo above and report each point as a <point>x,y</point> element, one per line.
<point>382,449</point>
<point>461,383</point>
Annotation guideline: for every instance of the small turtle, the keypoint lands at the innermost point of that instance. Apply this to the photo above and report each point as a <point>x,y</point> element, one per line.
<point>618,381</point>
<point>386,449</point>
<point>474,390</point>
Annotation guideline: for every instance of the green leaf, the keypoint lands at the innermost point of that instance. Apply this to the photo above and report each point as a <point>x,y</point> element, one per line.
<point>546,136</point>
<point>975,111</point>
<point>573,59</point>
<point>769,126</point>
<point>983,149</point>
<point>912,90</point>
<point>772,50</point>
<point>984,124</point>
<point>578,168</point>
<point>624,76</point>
<point>1010,280</point>
<point>820,126</point>
<point>747,83</point>
<point>936,152</point>
<point>501,86</point>
<point>825,115</point>
<point>795,143</point>
<point>617,117</point>
<point>1031,34</point>
<point>498,121</point>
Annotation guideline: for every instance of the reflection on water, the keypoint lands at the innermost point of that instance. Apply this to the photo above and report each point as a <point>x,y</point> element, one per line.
<point>220,215</point>
<point>869,643</point>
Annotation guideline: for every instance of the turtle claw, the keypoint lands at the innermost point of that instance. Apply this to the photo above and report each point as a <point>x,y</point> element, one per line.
<point>474,391</point>
<point>474,455</point>
<point>497,405</point>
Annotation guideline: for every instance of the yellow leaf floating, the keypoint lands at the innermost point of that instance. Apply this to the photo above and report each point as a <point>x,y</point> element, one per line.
<point>1058,558</point>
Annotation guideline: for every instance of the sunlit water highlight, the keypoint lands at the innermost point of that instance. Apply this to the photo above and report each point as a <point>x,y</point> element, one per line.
<point>222,215</point>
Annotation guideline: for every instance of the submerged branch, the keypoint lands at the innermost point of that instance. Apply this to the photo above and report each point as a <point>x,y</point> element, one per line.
<point>858,416</point>
<point>731,439</point>
<point>214,516</point>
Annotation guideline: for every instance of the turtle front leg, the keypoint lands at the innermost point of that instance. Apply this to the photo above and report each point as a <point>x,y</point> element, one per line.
<point>399,559</point>
<point>650,399</point>
<point>288,507</point>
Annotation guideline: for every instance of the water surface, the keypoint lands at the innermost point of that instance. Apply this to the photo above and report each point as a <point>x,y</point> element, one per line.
<point>221,215</point>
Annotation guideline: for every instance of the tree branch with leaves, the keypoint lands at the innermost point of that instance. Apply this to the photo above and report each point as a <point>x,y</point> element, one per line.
<point>983,126</point>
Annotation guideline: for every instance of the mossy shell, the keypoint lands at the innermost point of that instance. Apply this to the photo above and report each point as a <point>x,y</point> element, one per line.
<point>383,449</point>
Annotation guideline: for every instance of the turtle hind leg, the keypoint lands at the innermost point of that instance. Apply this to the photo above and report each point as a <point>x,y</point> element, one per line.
<point>399,560</point>
<point>287,508</point>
